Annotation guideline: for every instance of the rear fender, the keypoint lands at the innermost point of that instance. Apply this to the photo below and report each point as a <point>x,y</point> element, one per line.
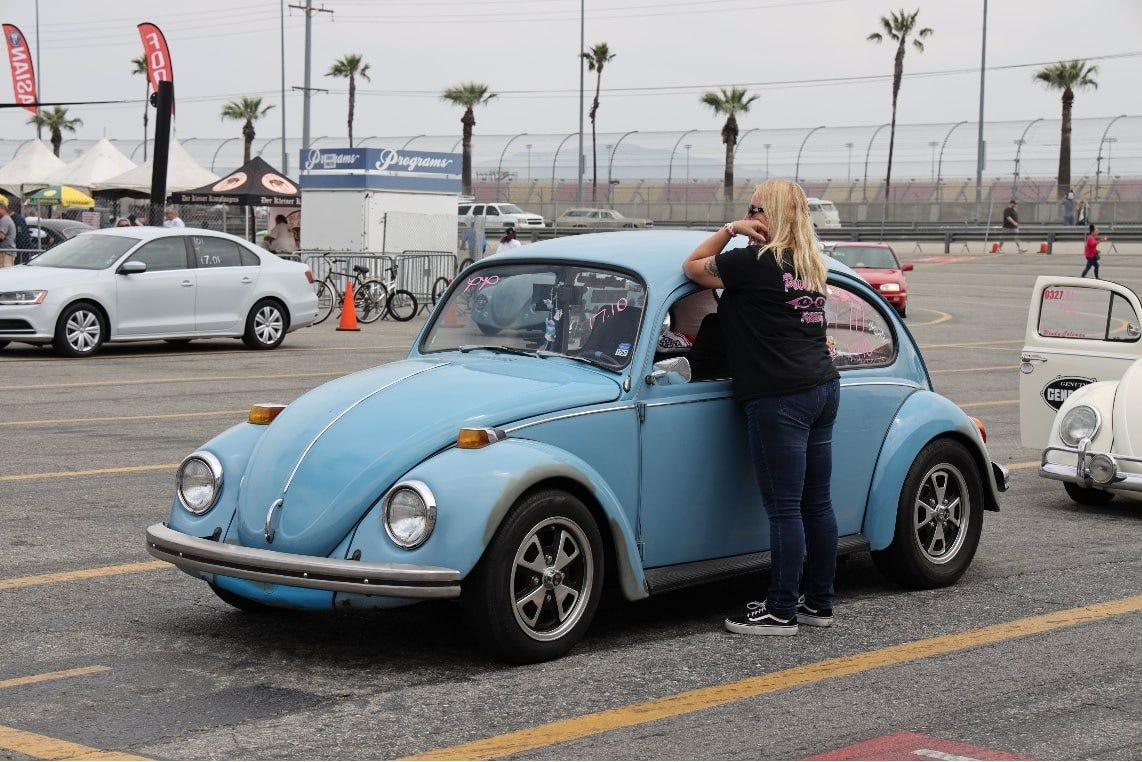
<point>924,416</point>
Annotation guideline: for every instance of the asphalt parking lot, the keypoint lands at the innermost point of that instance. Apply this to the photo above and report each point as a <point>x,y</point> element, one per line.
<point>1034,654</point>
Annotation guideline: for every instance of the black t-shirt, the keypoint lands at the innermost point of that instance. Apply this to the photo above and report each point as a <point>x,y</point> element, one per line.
<point>773,328</point>
<point>1010,218</point>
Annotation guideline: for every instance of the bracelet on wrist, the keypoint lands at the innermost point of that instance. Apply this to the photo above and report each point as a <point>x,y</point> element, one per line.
<point>729,228</point>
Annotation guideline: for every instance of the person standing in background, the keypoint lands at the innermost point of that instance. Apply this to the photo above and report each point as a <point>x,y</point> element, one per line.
<point>1069,208</point>
<point>1082,213</point>
<point>7,235</point>
<point>281,238</point>
<point>509,241</point>
<point>1011,224</point>
<point>172,219</point>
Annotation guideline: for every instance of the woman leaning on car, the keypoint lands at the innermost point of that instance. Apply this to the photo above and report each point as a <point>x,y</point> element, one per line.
<point>773,324</point>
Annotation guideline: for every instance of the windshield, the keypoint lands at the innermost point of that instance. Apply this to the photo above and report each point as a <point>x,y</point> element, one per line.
<point>86,252</point>
<point>510,209</point>
<point>578,311</point>
<point>865,256</point>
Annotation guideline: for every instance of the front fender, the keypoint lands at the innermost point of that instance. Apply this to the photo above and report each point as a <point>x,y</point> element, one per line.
<point>475,490</point>
<point>233,448</point>
<point>924,416</point>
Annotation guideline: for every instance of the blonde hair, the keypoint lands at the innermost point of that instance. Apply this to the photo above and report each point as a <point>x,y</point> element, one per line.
<point>791,229</point>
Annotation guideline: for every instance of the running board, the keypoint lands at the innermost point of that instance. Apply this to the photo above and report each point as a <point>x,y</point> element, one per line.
<point>664,578</point>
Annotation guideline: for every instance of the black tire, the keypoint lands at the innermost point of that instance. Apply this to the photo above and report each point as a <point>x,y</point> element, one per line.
<point>401,305</point>
<point>466,263</point>
<point>266,325</point>
<point>1088,495</point>
<point>439,286</point>
<point>80,330</point>
<point>549,546</point>
<point>177,342</point>
<point>370,301</point>
<point>326,300</point>
<point>938,519</point>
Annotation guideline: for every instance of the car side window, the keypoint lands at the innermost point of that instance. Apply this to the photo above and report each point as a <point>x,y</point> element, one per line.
<point>492,211</point>
<point>1079,312</point>
<point>162,254</point>
<point>216,252</point>
<point>478,210</point>
<point>858,334</point>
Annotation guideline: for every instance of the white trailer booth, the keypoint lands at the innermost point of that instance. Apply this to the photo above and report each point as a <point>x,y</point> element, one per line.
<point>379,200</point>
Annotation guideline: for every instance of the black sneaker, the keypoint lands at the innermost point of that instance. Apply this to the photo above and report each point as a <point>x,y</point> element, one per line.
<point>813,617</point>
<point>757,621</point>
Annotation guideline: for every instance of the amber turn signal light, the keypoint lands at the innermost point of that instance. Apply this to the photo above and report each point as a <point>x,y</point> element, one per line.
<point>474,439</point>
<point>264,413</point>
<point>979,425</point>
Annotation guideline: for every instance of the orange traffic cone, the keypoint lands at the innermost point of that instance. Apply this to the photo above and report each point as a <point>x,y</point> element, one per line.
<point>1043,248</point>
<point>348,311</point>
<point>994,248</point>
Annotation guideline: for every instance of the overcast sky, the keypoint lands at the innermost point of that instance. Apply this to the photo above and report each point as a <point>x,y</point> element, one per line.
<point>808,59</point>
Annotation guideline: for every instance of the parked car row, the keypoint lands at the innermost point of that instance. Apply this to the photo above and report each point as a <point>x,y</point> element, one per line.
<point>497,217</point>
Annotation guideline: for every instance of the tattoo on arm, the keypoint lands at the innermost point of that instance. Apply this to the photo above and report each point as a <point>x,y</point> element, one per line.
<point>712,268</point>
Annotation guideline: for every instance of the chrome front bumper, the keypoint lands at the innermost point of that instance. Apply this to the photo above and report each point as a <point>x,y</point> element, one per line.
<point>315,572</point>
<point>1080,474</point>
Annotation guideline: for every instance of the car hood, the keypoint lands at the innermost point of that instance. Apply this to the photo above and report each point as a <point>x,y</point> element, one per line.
<point>24,276</point>
<point>332,453</point>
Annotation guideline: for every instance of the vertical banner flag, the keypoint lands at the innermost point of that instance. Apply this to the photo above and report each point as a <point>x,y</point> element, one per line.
<point>23,75</point>
<point>157,55</point>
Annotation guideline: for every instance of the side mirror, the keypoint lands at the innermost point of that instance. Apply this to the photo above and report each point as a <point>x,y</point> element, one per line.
<point>675,370</point>
<point>906,267</point>
<point>133,267</point>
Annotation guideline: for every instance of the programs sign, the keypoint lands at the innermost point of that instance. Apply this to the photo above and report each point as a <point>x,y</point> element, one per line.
<point>380,169</point>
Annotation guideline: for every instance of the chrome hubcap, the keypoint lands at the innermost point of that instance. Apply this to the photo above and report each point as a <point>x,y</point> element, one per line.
<point>268,325</point>
<point>82,330</point>
<point>940,513</point>
<point>551,580</point>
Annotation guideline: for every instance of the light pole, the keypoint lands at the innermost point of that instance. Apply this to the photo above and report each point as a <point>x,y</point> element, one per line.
<point>1019,150</point>
<point>1109,142</point>
<point>797,171</point>
<point>932,144</point>
<point>864,193</point>
<point>850,160</point>
<point>1098,169</point>
<point>528,162</point>
<point>767,145</point>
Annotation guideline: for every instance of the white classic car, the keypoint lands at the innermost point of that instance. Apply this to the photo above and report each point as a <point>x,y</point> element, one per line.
<point>1080,386</point>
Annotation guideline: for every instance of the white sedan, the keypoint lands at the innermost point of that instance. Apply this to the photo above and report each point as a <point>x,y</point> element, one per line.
<point>148,283</point>
<point>1080,384</point>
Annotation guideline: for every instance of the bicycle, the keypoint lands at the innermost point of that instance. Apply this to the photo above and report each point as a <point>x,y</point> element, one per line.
<point>400,304</point>
<point>370,297</point>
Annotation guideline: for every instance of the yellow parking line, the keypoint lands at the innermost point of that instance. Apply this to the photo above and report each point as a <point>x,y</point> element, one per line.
<point>943,317</point>
<point>1023,465</point>
<point>116,418</point>
<point>502,746</point>
<point>46,676</point>
<point>177,380</point>
<point>89,472</point>
<point>967,405</point>
<point>72,576</point>
<point>45,747</point>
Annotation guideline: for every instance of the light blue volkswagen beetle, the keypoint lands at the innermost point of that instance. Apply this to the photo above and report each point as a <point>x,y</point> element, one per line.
<point>543,438</point>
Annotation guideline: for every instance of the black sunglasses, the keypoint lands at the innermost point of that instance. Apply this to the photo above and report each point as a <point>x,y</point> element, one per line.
<point>754,210</point>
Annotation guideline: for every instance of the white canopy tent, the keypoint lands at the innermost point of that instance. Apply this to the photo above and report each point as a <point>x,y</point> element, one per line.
<point>100,162</point>
<point>183,173</point>
<point>30,169</point>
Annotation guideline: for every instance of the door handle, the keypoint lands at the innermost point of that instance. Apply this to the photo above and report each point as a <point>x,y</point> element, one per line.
<point>247,279</point>
<point>1032,358</point>
<point>187,283</point>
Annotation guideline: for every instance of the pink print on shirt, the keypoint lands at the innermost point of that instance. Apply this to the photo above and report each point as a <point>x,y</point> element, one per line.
<point>811,307</point>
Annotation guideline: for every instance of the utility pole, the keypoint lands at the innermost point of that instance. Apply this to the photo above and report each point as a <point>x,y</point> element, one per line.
<point>306,89</point>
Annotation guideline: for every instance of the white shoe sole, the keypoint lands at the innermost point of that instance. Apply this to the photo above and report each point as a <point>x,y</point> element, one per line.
<point>748,629</point>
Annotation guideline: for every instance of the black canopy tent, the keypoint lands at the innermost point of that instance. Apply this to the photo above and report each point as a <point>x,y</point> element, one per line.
<point>255,183</point>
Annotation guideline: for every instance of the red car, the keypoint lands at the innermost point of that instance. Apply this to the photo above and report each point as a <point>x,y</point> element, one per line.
<point>878,265</point>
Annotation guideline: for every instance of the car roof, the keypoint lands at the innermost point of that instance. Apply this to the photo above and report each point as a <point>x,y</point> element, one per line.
<point>656,255</point>
<point>150,233</point>
<point>861,244</point>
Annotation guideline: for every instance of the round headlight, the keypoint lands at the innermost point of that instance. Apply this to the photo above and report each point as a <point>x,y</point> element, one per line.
<point>1081,422</point>
<point>410,514</point>
<point>199,482</point>
<point>1103,469</point>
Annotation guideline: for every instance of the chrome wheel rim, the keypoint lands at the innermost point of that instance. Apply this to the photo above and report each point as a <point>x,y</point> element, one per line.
<point>941,512</point>
<point>268,325</point>
<point>83,331</point>
<point>551,579</point>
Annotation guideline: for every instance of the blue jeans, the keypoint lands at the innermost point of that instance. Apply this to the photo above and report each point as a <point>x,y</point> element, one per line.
<point>1090,263</point>
<point>791,439</point>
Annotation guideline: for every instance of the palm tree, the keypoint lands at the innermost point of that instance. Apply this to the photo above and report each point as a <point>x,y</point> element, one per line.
<point>596,58</point>
<point>1066,76</point>
<point>729,102</point>
<point>897,27</point>
<point>350,66</point>
<point>469,95</point>
<point>247,110</point>
<point>140,64</point>
<point>55,120</point>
